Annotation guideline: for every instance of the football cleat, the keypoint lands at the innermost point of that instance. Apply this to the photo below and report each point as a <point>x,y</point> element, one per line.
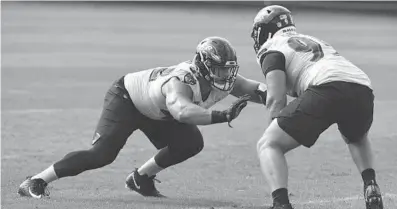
<point>142,184</point>
<point>36,188</point>
<point>372,196</point>
<point>279,206</point>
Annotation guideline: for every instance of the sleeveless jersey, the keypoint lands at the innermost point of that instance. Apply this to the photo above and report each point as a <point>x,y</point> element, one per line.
<point>145,89</point>
<point>310,61</point>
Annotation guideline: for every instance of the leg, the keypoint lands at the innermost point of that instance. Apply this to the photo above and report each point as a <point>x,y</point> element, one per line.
<point>361,152</point>
<point>117,122</point>
<point>354,127</point>
<point>299,123</point>
<point>185,141</point>
<point>355,122</point>
<point>181,141</point>
<point>271,149</point>
<point>362,155</point>
<point>177,142</point>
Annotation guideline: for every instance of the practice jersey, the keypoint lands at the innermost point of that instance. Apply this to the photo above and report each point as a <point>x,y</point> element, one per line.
<point>145,89</point>
<point>310,61</point>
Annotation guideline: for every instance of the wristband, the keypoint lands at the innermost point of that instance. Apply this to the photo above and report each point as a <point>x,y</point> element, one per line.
<point>218,117</point>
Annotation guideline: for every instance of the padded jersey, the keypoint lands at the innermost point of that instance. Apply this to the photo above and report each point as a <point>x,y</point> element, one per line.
<point>307,61</point>
<point>145,89</point>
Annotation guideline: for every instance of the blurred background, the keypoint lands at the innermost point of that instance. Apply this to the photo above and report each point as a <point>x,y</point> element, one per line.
<point>112,38</point>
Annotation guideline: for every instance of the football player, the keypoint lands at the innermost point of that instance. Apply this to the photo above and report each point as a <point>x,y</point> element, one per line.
<point>328,89</point>
<point>167,104</point>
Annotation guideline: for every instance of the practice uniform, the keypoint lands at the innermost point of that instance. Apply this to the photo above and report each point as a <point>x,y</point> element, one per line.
<point>329,88</point>
<point>136,102</point>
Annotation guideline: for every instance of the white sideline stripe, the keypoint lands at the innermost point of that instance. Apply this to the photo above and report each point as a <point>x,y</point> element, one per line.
<point>343,199</point>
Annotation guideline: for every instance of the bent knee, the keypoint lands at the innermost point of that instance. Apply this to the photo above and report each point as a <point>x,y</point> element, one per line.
<point>269,141</point>
<point>192,148</point>
<point>263,144</point>
<point>188,149</point>
<point>198,144</point>
<point>193,141</point>
<point>102,159</point>
<point>102,156</point>
<point>193,151</point>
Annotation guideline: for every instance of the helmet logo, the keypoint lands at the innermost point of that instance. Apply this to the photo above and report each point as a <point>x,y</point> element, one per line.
<point>211,52</point>
<point>284,18</point>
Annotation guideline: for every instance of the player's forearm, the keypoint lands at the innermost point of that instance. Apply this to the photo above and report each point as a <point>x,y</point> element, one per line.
<point>193,114</point>
<point>185,111</point>
<point>274,107</point>
<point>259,94</point>
<point>255,97</point>
<point>249,87</point>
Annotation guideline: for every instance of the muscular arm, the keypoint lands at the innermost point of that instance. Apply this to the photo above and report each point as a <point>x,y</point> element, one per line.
<point>273,67</point>
<point>179,103</point>
<point>245,86</point>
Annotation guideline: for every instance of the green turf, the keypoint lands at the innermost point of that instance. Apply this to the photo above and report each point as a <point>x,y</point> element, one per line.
<point>58,59</point>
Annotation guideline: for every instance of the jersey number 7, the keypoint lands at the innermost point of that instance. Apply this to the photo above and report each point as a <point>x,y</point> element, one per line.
<point>303,44</point>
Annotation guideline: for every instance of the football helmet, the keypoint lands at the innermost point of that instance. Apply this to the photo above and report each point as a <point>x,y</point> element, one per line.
<point>216,60</point>
<point>268,21</point>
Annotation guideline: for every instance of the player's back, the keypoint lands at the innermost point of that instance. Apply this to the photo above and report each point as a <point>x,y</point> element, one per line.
<point>311,61</point>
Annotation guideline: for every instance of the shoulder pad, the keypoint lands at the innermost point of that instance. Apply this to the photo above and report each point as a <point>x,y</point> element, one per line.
<point>185,73</point>
<point>262,51</point>
<point>189,79</point>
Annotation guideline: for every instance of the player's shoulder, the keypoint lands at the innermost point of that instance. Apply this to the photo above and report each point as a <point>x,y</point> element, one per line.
<point>185,72</point>
<point>316,39</point>
<point>274,44</point>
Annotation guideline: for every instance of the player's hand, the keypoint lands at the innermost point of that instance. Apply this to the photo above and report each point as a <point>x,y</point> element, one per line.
<point>234,110</point>
<point>262,95</point>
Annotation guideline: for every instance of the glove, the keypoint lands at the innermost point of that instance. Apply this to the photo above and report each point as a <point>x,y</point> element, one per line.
<point>234,110</point>
<point>262,95</point>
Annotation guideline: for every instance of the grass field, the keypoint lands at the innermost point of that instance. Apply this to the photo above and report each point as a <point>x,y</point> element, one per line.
<point>58,59</point>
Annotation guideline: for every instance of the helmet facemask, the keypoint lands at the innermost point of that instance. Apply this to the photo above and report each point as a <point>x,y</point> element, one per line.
<point>260,36</point>
<point>221,76</point>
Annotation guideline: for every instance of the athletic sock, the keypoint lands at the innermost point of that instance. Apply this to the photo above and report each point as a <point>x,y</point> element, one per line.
<point>48,175</point>
<point>368,175</point>
<point>150,168</point>
<point>280,196</point>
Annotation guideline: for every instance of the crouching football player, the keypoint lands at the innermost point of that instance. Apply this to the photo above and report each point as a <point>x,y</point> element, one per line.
<point>328,89</point>
<point>165,103</point>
